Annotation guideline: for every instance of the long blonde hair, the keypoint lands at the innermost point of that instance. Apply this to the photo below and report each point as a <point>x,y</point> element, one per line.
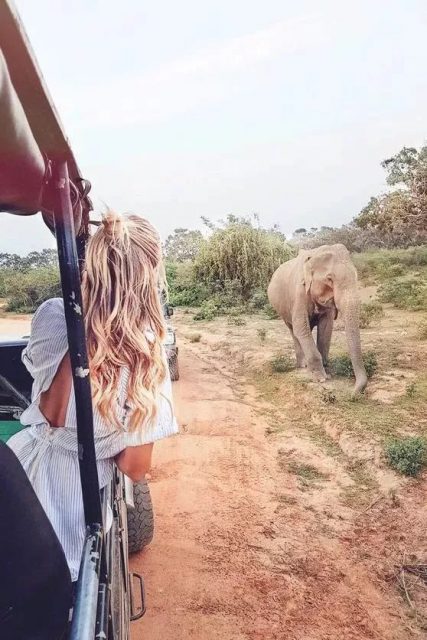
<point>121,302</point>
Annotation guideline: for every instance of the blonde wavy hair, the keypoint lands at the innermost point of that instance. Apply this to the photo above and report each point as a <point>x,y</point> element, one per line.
<point>123,272</point>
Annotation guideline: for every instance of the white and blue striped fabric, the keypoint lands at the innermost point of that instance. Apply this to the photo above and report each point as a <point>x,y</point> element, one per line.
<point>49,454</point>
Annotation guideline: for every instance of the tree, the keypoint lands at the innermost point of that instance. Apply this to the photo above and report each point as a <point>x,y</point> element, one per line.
<point>401,212</point>
<point>183,245</point>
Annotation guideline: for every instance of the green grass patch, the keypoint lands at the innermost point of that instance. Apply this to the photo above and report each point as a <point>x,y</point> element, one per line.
<point>305,471</point>
<point>383,265</point>
<point>364,485</point>
<point>281,364</point>
<point>407,455</point>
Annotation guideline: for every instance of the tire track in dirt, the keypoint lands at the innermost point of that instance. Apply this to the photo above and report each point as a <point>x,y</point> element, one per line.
<point>229,560</point>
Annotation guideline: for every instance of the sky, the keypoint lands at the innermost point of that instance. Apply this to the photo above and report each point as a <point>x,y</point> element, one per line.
<point>177,110</point>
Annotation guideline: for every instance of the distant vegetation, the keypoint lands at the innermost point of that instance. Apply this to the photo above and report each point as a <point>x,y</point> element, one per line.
<point>228,268</point>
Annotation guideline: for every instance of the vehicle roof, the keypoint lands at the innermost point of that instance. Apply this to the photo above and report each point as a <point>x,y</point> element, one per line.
<point>31,90</point>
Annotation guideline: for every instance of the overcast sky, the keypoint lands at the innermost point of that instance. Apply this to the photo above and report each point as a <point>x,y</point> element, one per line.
<point>177,110</point>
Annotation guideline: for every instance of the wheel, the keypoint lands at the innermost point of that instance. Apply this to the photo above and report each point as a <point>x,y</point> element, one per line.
<point>173,367</point>
<point>140,518</point>
<point>117,552</point>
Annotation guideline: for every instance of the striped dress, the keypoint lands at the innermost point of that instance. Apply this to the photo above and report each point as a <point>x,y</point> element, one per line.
<point>49,454</point>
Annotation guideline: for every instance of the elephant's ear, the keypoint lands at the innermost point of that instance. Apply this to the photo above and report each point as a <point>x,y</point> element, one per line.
<point>307,272</point>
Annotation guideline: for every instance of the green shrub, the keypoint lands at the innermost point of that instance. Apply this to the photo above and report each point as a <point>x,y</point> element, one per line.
<point>407,455</point>
<point>184,290</point>
<point>25,291</point>
<point>341,365</point>
<point>270,312</point>
<point>386,264</point>
<point>258,299</point>
<point>405,294</point>
<point>281,364</point>
<point>370,312</point>
<point>208,311</point>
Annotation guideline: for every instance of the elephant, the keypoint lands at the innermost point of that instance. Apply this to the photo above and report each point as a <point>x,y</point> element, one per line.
<point>309,291</point>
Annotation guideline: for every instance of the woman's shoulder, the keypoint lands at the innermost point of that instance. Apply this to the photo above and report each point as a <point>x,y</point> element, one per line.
<point>49,314</point>
<point>52,305</point>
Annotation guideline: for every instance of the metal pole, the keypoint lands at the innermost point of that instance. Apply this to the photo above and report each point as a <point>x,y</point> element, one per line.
<point>70,281</point>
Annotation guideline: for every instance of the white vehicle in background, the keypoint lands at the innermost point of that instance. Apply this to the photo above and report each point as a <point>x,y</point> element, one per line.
<point>170,343</point>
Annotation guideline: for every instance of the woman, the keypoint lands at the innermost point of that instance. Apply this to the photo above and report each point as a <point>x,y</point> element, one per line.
<point>131,388</point>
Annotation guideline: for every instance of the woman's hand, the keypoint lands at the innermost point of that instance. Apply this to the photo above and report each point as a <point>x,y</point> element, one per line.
<point>135,462</point>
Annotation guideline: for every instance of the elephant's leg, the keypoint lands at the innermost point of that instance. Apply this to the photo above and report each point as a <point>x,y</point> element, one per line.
<point>324,334</point>
<point>299,353</point>
<point>302,331</point>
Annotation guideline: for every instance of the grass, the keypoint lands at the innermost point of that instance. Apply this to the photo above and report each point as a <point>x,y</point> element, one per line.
<point>407,455</point>
<point>236,320</point>
<point>262,334</point>
<point>422,330</point>
<point>304,471</point>
<point>364,484</point>
<point>405,293</point>
<point>383,265</point>
<point>281,364</point>
<point>370,312</point>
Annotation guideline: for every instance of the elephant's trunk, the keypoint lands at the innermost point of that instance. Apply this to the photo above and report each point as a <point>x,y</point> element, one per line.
<point>350,310</point>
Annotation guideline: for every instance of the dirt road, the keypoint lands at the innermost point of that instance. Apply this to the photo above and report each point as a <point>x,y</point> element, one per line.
<point>251,543</point>
<point>276,516</point>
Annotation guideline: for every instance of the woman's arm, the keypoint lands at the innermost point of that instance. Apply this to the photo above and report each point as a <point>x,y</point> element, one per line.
<point>135,462</point>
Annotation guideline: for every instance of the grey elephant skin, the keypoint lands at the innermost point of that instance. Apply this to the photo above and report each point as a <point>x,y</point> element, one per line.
<point>309,291</point>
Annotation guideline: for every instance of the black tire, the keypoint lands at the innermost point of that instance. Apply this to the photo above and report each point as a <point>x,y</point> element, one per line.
<point>173,367</point>
<point>140,518</point>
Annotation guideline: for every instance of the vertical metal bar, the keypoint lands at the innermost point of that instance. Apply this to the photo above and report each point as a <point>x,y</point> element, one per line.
<point>86,609</point>
<point>70,281</point>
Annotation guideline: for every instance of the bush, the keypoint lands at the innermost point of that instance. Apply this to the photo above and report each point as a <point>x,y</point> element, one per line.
<point>208,311</point>
<point>341,365</point>
<point>25,291</point>
<point>241,253</point>
<point>258,299</point>
<point>184,290</point>
<point>370,312</point>
<point>405,294</point>
<point>407,455</point>
<point>281,364</point>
